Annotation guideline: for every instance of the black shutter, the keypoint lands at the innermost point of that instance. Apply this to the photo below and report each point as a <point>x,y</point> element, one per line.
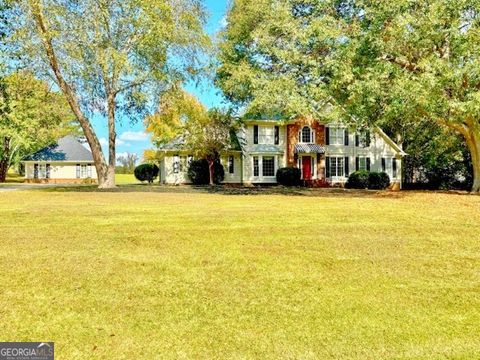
<point>327,136</point>
<point>357,140</point>
<point>346,137</point>
<point>47,171</point>
<point>277,135</point>
<point>327,167</point>
<point>368,139</point>
<point>368,164</point>
<point>347,167</point>
<point>255,134</point>
<point>78,171</point>
<point>394,167</point>
<point>35,171</point>
<point>384,164</point>
<point>357,163</point>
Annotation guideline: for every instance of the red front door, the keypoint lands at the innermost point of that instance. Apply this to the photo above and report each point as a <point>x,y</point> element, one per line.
<point>307,167</point>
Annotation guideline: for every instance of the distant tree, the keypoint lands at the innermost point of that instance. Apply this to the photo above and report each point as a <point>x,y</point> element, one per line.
<point>31,117</point>
<point>109,57</point>
<point>127,163</point>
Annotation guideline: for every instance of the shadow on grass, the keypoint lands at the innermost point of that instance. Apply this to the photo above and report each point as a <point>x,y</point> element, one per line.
<point>229,190</point>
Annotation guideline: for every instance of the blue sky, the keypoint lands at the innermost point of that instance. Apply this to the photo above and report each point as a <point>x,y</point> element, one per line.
<point>131,137</point>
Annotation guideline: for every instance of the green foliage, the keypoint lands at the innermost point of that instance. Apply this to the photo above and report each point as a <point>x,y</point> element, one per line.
<point>289,176</point>
<point>146,172</point>
<point>358,180</point>
<point>368,180</point>
<point>199,174</point>
<point>31,117</point>
<point>378,181</point>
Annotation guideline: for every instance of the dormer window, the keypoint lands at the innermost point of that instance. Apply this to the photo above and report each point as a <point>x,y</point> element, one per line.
<point>306,135</point>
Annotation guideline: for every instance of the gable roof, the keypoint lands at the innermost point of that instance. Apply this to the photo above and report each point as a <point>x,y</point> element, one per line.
<point>66,149</point>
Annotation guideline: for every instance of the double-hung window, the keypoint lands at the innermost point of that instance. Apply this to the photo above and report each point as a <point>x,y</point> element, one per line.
<point>231,165</point>
<point>337,167</point>
<point>268,166</point>
<point>336,135</point>
<point>267,135</point>
<point>256,166</point>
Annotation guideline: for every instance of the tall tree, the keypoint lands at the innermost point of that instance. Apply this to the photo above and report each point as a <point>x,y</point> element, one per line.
<point>206,133</point>
<point>110,56</point>
<point>376,62</point>
<point>31,117</point>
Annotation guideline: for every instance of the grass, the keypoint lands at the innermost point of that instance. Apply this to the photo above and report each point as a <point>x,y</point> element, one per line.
<point>168,274</point>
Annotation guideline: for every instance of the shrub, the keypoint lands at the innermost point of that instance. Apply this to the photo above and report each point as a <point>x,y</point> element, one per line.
<point>146,172</point>
<point>378,181</point>
<point>358,180</point>
<point>199,174</point>
<point>289,176</point>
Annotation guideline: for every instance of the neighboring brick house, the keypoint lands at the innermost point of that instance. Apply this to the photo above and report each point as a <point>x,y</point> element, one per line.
<point>325,153</point>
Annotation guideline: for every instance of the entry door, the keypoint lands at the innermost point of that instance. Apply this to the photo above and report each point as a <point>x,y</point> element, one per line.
<point>307,167</point>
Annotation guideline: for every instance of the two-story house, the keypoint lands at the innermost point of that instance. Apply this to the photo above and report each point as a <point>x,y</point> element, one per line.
<point>326,154</point>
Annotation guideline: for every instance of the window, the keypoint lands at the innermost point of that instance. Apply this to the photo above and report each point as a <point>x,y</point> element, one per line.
<point>363,139</point>
<point>337,167</point>
<point>256,167</point>
<point>231,165</point>
<point>336,136</point>
<point>176,164</point>
<point>78,171</point>
<point>268,166</point>
<point>255,134</point>
<point>267,135</point>
<point>394,168</point>
<point>89,170</point>
<point>362,163</point>
<point>277,135</point>
<point>183,163</point>
<point>47,172</point>
<point>84,171</point>
<point>306,135</point>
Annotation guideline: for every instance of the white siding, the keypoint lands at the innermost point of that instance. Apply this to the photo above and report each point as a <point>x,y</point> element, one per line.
<point>58,170</point>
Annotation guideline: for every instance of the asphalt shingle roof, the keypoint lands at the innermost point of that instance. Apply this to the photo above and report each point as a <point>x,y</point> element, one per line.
<point>67,148</point>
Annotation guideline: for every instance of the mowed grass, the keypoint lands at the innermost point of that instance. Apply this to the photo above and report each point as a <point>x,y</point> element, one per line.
<point>175,275</point>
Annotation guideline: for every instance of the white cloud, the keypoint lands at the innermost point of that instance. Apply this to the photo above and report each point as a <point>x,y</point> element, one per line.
<point>103,141</point>
<point>118,142</point>
<point>134,136</point>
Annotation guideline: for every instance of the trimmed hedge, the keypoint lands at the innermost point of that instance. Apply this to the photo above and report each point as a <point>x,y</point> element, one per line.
<point>289,176</point>
<point>378,181</point>
<point>358,180</point>
<point>199,173</point>
<point>368,180</point>
<point>146,172</point>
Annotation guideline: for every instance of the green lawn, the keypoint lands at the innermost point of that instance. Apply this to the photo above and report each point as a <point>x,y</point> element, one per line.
<point>173,274</point>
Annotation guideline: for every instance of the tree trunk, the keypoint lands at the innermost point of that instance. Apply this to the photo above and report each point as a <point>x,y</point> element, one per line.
<point>109,181</point>
<point>5,160</point>
<point>473,143</point>
<point>106,178</point>
<point>211,168</point>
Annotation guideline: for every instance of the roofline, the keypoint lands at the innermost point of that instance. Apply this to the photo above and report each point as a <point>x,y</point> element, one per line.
<point>268,121</point>
<point>390,141</point>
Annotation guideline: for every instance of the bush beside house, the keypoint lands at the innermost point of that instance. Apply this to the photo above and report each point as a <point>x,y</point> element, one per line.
<point>198,172</point>
<point>289,176</point>
<point>146,172</point>
<point>368,180</point>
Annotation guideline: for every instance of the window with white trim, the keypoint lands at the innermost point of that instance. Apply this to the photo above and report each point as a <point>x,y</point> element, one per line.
<point>176,164</point>
<point>268,166</point>
<point>306,135</point>
<point>362,163</point>
<point>256,166</point>
<point>231,165</point>
<point>83,172</point>
<point>266,135</point>
<point>337,167</point>
<point>337,135</point>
